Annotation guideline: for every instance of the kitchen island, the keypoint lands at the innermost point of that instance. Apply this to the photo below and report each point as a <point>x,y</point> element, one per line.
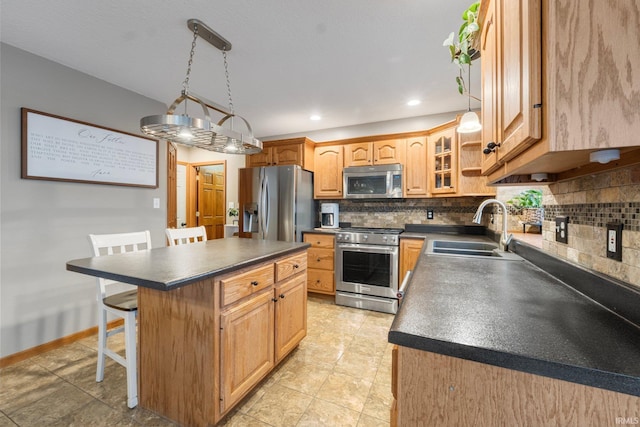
<point>502,342</point>
<point>214,318</point>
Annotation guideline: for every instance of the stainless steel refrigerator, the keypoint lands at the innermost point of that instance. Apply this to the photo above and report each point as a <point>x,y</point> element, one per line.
<point>276,203</point>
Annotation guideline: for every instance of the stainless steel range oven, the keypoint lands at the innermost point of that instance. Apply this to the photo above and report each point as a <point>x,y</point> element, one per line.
<point>367,268</point>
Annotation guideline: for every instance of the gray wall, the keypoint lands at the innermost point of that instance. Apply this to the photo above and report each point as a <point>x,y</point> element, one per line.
<point>43,224</point>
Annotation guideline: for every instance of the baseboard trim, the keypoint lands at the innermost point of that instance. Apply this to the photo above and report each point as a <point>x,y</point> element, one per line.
<point>52,345</point>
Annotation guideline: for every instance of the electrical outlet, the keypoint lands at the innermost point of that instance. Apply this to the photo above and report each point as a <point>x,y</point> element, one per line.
<point>429,213</point>
<point>562,229</point>
<point>614,241</point>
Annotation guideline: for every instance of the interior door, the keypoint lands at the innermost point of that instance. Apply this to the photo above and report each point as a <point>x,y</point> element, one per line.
<point>172,164</point>
<point>211,200</point>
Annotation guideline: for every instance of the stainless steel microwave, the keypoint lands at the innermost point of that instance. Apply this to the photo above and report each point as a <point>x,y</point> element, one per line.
<point>373,182</point>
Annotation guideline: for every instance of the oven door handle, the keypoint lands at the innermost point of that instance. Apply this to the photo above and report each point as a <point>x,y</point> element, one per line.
<point>403,285</point>
<point>358,247</point>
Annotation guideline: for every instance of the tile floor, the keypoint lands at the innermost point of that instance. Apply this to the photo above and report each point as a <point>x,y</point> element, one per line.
<point>340,375</point>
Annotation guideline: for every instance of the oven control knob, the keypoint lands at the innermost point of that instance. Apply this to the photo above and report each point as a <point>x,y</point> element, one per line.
<point>384,238</point>
<point>365,237</point>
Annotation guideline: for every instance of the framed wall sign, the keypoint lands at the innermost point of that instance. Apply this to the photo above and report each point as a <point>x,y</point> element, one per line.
<point>61,149</point>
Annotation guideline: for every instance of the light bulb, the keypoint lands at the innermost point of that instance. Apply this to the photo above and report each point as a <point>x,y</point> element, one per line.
<point>185,133</point>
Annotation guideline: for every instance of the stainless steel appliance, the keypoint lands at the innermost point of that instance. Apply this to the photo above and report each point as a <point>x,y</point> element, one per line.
<point>373,182</point>
<point>329,215</point>
<point>367,268</point>
<point>276,203</point>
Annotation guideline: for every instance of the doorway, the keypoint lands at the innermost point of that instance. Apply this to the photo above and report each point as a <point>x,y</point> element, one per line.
<point>201,196</point>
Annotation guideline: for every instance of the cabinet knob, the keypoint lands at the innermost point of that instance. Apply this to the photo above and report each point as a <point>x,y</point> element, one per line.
<point>282,296</point>
<point>254,283</point>
<point>318,260</point>
<point>318,281</point>
<point>274,299</point>
<point>296,266</point>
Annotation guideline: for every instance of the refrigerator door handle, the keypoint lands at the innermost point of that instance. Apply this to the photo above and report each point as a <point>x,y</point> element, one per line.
<point>266,207</point>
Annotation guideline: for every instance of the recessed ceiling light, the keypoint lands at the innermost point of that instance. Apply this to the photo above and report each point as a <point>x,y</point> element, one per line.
<point>315,117</point>
<point>413,102</point>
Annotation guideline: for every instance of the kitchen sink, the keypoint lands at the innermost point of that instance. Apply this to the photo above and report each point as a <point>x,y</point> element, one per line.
<point>469,249</point>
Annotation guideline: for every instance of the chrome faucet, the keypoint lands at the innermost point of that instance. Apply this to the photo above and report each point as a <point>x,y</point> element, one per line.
<point>477,218</point>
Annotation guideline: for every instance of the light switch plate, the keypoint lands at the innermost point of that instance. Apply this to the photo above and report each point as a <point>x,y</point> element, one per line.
<point>614,241</point>
<point>562,229</point>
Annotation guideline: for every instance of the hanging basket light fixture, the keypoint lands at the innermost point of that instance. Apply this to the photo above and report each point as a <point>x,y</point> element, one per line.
<point>203,133</point>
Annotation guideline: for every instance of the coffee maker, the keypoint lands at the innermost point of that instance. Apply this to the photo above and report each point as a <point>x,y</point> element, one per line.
<point>329,215</point>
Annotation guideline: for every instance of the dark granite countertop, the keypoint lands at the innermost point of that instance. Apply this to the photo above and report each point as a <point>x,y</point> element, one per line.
<point>171,267</point>
<point>514,315</point>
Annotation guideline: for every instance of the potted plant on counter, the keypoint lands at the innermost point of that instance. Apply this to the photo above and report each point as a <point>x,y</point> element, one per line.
<point>528,205</point>
<point>233,213</point>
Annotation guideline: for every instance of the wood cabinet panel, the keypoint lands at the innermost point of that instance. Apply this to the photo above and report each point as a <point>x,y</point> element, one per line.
<point>328,175</point>
<point>247,347</point>
<point>410,251</point>
<point>326,241</point>
<point>443,161</point>
<point>291,154</point>
<point>358,154</point>
<point>237,286</point>
<point>320,261</point>
<point>290,266</point>
<point>434,389</point>
<point>294,151</point>
<point>321,281</point>
<point>520,82</point>
<point>416,170</point>
<point>320,258</point>
<point>290,315</point>
<point>389,152</point>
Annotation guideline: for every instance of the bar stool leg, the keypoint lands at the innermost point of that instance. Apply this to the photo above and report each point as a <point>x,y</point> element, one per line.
<point>102,343</point>
<point>131,359</point>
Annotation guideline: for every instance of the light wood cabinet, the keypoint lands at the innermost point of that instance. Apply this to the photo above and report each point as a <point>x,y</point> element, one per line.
<point>320,261</point>
<point>410,251</point>
<point>246,347</point>
<point>443,161</point>
<point>375,153</point>
<point>583,105</point>
<point>294,151</point>
<point>261,328</point>
<point>434,389</point>
<point>290,315</point>
<point>416,170</point>
<point>327,181</point>
<point>470,180</point>
<point>204,346</point>
<point>511,38</point>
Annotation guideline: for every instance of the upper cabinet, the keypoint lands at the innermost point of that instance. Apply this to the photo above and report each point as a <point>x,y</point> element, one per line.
<point>415,168</point>
<point>295,151</point>
<point>327,180</point>
<point>374,153</point>
<point>589,77</point>
<point>443,161</point>
<point>511,80</point>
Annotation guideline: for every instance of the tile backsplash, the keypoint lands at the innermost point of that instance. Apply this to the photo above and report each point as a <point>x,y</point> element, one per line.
<point>398,212</point>
<point>590,202</point>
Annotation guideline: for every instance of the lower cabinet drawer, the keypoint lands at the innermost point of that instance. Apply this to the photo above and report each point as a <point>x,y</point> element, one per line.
<point>237,286</point>
<point>320,258</point>
<point>290,266</point>
<point>321,281</point>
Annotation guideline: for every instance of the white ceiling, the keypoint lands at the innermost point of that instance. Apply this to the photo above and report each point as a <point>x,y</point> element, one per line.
<point>351,61</point>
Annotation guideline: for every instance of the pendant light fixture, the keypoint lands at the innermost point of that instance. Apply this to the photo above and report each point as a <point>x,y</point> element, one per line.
<point>469,122</point>
<point>203,133</point>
